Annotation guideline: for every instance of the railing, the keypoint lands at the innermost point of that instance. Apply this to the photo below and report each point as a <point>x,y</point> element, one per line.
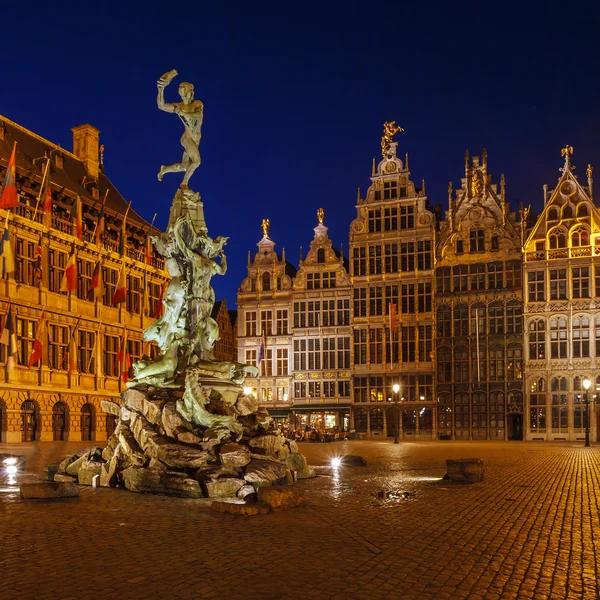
<point>561,253</point>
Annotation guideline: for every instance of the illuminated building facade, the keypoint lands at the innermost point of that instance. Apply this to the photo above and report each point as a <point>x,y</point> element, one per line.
<point>263,325</point>
<point>55,399</point>
<point>391,265</point>
<point>479,312</point>
<point>224,348</point>
<point>562,311</point>
<point>321,338</point>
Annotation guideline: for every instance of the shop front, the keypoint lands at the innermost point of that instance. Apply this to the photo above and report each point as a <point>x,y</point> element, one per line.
<point>327,418</point>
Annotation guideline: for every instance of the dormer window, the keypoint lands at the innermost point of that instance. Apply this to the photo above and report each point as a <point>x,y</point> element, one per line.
<point>567,212</point>
<point>580,237</point>
<point>476,239</point>
<point>320,255</point>
<point>460,247</point>
<point>558,240</point>
<point>582,210</point>
<point>266,282</point>
<point>390,189</point>
<point>552,215</point>
<point>495,242</point>
<point>58,161</point>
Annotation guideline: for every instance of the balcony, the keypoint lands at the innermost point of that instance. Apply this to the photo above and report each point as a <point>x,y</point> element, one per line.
<point>561,253</point>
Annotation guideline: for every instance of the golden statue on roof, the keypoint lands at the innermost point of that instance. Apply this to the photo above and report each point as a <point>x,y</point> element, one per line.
<point>589,171</point>
<point>476,184</point>
<point>321,216</point>
<point>265,226</point>
<point>567,151</point>
<point>389,131</point>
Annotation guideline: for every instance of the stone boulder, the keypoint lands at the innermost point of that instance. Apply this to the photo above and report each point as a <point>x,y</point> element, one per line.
<point>130,447</point>
<point>64,478</point>
<point>270,445</point>
<point>172,422</point>
<point>187,437</point>
<point>297,462</point>
<point>73,468</point>
<point>178,456</point>
<point>245,491</point>
<point>281,498</point>
<point>266,472</point>
<point>110,408</point>
<point>108,472</point>
<point>88,471</point>
<point>234,455</point>
<point>246,405</point>
<point>137,479</point>
<point>223,488</point>
<point>49,490</point>
<point>465,470</point>
<point>236,508</point>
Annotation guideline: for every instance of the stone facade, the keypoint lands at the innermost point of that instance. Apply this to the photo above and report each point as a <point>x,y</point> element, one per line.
<point>224,348</point>
<point>50,401</point>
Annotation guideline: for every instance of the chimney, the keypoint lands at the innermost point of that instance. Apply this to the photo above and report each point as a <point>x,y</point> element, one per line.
<point>85,147</point>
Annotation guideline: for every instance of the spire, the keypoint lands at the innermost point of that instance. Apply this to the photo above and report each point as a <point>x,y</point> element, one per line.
<point>248,257</point>
<point>502,188</point>
<point>300,255</point>
<point>373,168</point>
<point>450,206</point>
<point>466,159</point>
<point>406,162</point>
<point>590,177</point>
<point>545,188</point>
<point>484,158</point>
<point>358,196</point>
<point>283,255</point>
<point>423,187</point>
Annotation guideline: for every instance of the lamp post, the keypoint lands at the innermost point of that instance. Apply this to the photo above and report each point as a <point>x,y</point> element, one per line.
<point>586,385</point>
<point>396,388</point>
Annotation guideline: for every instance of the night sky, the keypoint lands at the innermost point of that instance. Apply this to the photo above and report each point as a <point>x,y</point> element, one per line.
<point>295,95</point>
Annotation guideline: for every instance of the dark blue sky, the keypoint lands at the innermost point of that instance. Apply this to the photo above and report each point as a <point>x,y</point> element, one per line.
<point>295,94</point>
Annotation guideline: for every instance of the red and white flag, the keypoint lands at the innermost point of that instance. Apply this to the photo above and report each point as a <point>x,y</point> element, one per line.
<point>38,343</point>
<point>9,197</point>
<point>96,285</point>
<point>120,294</point>
<point>69,280</point>
<point>123,358</point>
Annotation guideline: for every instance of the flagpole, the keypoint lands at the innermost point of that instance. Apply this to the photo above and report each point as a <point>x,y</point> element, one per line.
<point>146,299</point>
<point>71,338</point>
<point>42,188</point>
<point>477,344</point>
<point>103,203</point>
<point>89,365</point>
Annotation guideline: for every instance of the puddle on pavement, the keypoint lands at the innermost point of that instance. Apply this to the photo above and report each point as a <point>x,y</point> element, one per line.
<point>386,495</point>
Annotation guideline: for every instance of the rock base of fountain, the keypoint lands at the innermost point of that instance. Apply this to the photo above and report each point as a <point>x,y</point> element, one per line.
<point>155,449</point>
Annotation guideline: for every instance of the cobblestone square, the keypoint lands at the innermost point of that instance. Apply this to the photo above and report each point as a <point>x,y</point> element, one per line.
<point>530,530</point>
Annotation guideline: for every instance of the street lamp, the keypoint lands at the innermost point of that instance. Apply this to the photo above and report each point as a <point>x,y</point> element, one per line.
<point>586,385</point>
<point>396,388</point>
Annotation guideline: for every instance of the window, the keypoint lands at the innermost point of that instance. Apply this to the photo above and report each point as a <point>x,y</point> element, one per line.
<point>85,269</point>
<point>313,281</point>
<point>535,286</point>
<point>537,404</point>
<point>282,361</point>
<point>580,237</point>
<point>479,361</point>
<point>57,262</point>
<point>374,220</point>
<point>266,364</point>
<point>407,217</point>
<point>343,353</point>
<point>497,410</point>
<point>537,340</point>
<point>25,261</point>
<point>581,282</point>
<point>376,389</point>
<point>460,246</point>
<point>391,258</point>
<point>444,324</point>
<point>266,322</point>
<point>496,355</point>
<point>299,389</point>
<point>559,408</point>
<point>476,240</point>
<point>360,302</point>
<point>477,277</point>
<point>361,420</point>
<point>408,298</point>
<point>266,282</point>
<point>86,361</point>
<point>461,408</point>
<point>495,242</point>
<point>390,190</point>
<point>299,314</point>
<point>376,419</point>
<point>552,215</point>
<point>425,343</point>
<point>376,346</point>
<point>597,281</point>
<point>375,301</point>
<point>250,323</point>
<point>375,260</point>
<point>558,284</point>
<point>282,322</point>
<point>360,346</point>
<point>328,312</point>
<point>460,278</point>
<point>135,352</point>
<point>313,314</point>
<point>598,336</point>
<point>390,219</point>
<point>514,362</point>
<point>391,297</point>
<point>314,354</point>
<point>408,344</point>
<point>266,394</point>
<point>251,358</point>
<point>359,261</point>
<point>321,255</point>
<point>343,312</point>
<point>111,349</point>
<point>444,356</point>
<point>361,389</point>
<point>514,318</point>
<point>442,276</point>
<point>407,256</point>
<point>424,255</point>
<point>134,294</point>
<point>479,411</point>
<point>109,278</point>
<point>58,345</point>
<point>314,389</point>
<point>300,355</point>
<point>26,330</point>
<point>496,318</point>
<point>461,363</point>
<point>328,279</point>
<point>558,337</point>
<point>495,276</point>
<point>344,389</point>
<point>329,353</point>
<point>558,239</point>
<point>461,320</point>
<point>329,389</point>
<point>424,297</point>
<point>513,274</point>
<point>581,336</point>
<point>282,394</point>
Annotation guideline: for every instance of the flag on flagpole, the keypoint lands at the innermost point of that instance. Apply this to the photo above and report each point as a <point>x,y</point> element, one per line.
<point>148,253</point>
<point>76,211</point>
<point>72,350</point>
<point>96,285</point>
<point>101,224</point>
<point>158,313</point>
<point>7,258</point>
<point>37,265</point>
<point>9,338</point>
<point>9,197</point>
<point>123,358</point>
<point>69,280</point>
<point>261,350</point>
<point>38,343</point>
<point>120,294</point>
<point>393,314</point>
<point>123,234</point>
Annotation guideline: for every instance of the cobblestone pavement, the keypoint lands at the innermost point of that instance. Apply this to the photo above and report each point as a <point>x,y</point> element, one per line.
<point>531,530</point>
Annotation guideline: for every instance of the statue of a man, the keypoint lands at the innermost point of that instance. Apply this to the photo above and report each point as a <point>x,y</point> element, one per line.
<point>191,112</point>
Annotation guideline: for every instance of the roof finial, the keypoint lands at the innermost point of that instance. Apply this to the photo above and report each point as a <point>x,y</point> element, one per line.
<point>389,131</point>
<point>567,152</point>
<point>373,167</point>
<point>406,162</point>
<point>265,227</point>
<point>358,196</point>
<point>102,156</point>
<point>466,158</point>
<point>423,187</point>
<point>502,188</point>
<point>589,172</point>
<point>320,216</point>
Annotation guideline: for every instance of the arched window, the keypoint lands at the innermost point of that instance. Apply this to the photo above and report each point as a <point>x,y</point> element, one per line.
<point>29,426</point>
<point>479,412</point>
<point>461,363</point>
<point>558,239</point>
<point>582,210</point>
<point>59,421</point>
<point>558,337</point>
<point>577,383</point>
<point>581,336</point>
<point>376,419</point>
<point>266,282</point>
<point>552,214</point>
<point>360,420</point>
<point>476,240</point>
<point>461,320</point>
<point>444,325</point>
<point>538,384</point>
<point>444,356</point>
<point>320,255</point>
<point>445,414</point>
<point>514,362</point>
<point>87,422</point>
<point>478,318</point>
<point>496,363</point>
<point>496,318</point>
<point>567,212</point>
<point>558,384</point>
<point>580,237</point>
<point>461,409</point>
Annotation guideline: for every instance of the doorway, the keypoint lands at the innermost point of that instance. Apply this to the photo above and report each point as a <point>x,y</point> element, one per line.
<point>28,421</point>
<point>515,427</point>
<point>59,421</point>
<point>87,421</point>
